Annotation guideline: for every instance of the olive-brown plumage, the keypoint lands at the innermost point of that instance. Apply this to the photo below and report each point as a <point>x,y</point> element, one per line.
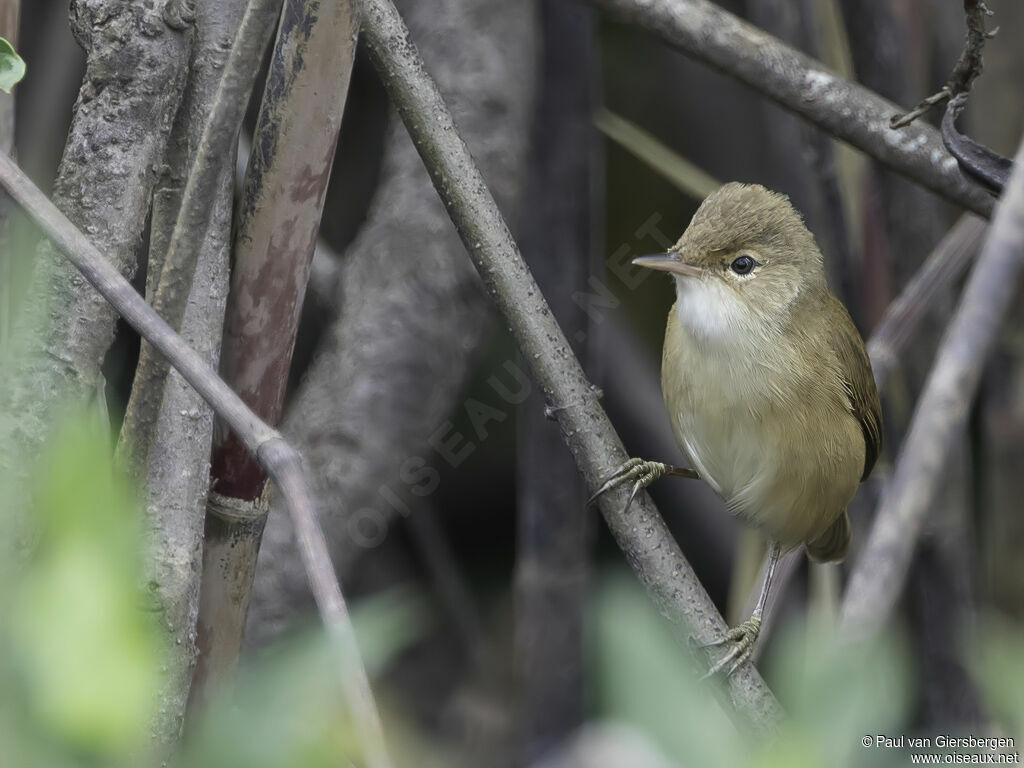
<point>766,378</point>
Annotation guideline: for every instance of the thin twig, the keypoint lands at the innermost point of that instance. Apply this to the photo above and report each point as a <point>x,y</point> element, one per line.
<point>940,417</point>
<point>967,68</point>
<point>802,85</point>
<point>280,460</point>
<point>642,534</point>
<point>947,261</point>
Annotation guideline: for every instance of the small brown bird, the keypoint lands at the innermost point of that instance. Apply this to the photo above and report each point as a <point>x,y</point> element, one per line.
<point>766,380</point>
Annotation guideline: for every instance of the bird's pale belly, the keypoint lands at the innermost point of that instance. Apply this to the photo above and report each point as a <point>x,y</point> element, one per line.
<point>786,455</point>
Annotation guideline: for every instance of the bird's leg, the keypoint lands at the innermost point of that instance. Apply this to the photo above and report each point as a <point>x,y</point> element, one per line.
<point>743,637</point>
<point>641,473</point>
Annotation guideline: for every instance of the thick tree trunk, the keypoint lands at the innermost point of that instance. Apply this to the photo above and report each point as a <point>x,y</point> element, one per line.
<point>137,61</point>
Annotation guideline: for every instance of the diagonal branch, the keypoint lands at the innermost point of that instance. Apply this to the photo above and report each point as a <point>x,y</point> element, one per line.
<point>941,415</point>
<point>948,260</point>
<point>280,460</point>
<point>802,85</point>
<point>596,447</point>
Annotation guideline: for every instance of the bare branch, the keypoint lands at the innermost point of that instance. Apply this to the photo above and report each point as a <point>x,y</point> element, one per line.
<point>282,203</point>
<point>642,534</point>
<point>944,265</point>
<point>214,154</point>
<point>987,168</point>
<point>941,415</point>
<point>167,428</point>
<point>281,461</point>
<point>802,85</point>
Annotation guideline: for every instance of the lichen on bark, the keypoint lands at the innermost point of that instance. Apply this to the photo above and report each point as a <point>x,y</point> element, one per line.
<point>135,72</point>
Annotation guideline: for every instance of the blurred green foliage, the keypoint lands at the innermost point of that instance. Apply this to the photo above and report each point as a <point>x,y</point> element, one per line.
<point>81,650</point>
<point>81,654</point>
<point>835,694</point>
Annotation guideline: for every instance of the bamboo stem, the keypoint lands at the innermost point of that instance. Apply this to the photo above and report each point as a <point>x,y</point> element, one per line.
<point>282,204</point>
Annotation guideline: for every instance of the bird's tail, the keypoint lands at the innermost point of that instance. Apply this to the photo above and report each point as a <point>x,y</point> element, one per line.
<point>833,544</point>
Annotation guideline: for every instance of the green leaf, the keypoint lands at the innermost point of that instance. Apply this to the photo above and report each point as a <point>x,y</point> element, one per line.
<point>84,649</point>
<point>12,66</point>
<point>996,659</point>
<point>286,709</point>
<point>646,679</point>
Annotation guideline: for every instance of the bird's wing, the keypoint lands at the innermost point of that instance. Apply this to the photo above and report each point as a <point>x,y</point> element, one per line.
<point>860,383</point>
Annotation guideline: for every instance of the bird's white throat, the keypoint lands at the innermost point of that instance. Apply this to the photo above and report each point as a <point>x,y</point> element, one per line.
<point>713,312</point>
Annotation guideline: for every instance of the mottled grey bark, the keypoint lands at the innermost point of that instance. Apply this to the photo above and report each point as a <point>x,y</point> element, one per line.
<point>133,83</point>
<point>391,366</point>
<point>553,523</point>
<point>168,427</point>
<point>277,457</point>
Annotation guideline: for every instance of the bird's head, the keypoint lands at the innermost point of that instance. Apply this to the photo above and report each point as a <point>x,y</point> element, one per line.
<point>743,263</point>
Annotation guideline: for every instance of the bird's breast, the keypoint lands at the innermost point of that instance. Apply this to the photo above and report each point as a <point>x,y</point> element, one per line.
<point>779,446</point>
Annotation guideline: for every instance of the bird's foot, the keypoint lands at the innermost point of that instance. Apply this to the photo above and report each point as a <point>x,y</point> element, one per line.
<point>741,641</point>
<point>641,473</point>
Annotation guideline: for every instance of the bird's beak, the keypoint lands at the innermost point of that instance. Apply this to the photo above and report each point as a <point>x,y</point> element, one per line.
<point>668,262</point>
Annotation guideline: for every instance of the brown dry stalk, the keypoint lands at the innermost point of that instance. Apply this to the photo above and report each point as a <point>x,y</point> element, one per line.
<point>282,203</point>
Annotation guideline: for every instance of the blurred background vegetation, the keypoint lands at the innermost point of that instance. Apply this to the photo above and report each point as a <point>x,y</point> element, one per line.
<point>437,590</point>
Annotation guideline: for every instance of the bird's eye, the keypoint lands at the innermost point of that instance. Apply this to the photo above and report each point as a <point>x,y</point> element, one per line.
<point>743,265</point>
